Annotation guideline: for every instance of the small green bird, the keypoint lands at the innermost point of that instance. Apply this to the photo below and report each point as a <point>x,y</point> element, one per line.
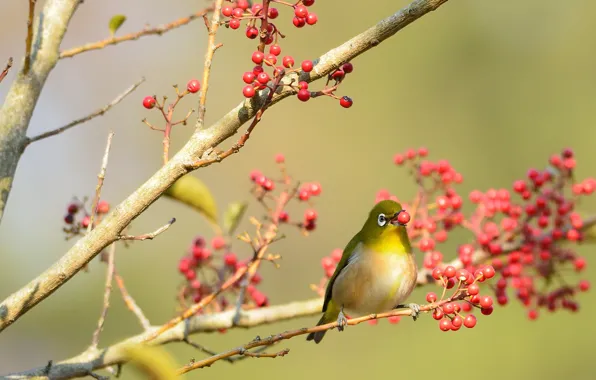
<point>377,270</point>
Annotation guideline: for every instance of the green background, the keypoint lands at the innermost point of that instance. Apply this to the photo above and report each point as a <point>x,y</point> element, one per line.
<point>493,86</point>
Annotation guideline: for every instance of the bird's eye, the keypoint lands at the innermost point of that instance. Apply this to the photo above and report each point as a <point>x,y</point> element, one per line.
<point>381,220</point>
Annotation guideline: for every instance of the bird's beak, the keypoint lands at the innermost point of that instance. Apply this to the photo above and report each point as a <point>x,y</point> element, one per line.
<point>395,221</point>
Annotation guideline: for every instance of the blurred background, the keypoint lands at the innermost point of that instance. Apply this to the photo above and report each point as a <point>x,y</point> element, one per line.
<point>494,88</point>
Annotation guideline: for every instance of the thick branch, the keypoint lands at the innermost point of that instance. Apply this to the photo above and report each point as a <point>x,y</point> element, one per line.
<point>202,142</point>
<point>22,97</point>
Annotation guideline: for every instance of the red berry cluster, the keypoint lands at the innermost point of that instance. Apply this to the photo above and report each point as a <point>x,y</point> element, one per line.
<point>77,217</point>
<point>519,232</point>
<point>259,24</point>
<point>449,311</point>
<point>206,267</point>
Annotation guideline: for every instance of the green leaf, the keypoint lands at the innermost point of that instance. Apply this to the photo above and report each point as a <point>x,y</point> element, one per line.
<point>192,192</point>
<point>233,216</point>
<point>115,23</point>
<point>154,362</point>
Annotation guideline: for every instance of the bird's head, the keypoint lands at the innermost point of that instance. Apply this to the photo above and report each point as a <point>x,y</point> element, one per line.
<point>386,226</point>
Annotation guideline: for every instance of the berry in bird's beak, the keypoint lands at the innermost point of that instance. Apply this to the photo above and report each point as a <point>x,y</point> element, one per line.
<point>401,218</point>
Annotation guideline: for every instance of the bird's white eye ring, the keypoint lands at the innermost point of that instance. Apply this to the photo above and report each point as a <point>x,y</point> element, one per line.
<point>381,220</point>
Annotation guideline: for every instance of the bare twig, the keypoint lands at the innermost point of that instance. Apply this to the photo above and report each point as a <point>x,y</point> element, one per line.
<point>131,304</point>
<point>106,296</point>
<point>211,48</point>
<point>149,236</point>
<point>207,351</point>
<point>260,342</point>
<point>100,178</point>
<point>218,157</point>
<point>29,41</point>
<point>201,142</point>
<point>159,30</point>
<point>5,71</point>
<point>84,119</point>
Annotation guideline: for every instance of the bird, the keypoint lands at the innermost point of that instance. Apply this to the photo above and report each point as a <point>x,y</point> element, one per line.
<point>377,270</point>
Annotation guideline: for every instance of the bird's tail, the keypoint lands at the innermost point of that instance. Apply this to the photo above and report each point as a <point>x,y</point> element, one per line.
<point>330,315</point>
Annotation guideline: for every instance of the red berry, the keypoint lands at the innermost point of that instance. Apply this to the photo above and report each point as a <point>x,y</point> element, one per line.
<point>307,66</point>
<point>227,11</point>
<point>73,208</point>
<point>470,321</point>
<point>288,61</point>
<point>248,77</point>
<point>315,188</point>
<point>445,324</point>
<point>184,265</point>
<point>303,195</point>
<point>238,12</point>
<point>69,218</point>
<point>190,275</point>
<point>486,302</point>
<point>218,242</point>
<point>301,11</point>
<point>308,3</point>
<point>431,297</point>
<point>256,8</point>
<point>584,285</point>
<point>252,33</point>
<point>249,91</point>
<point>271,59</point>
<point>398,159</point>
<point>258,57</point>
<point>273,13</point>
<point>327,263</point>
<point>488,272</point>
<point>346,101</point>
<point>311,19</point>
<point>310,215</point>
<point>303,95</point>
<point>403,217</point>
<point>533,314</point>
<point>336,254</point>
<point>230,259</point>
<point>263,78</point>
<point>438,314</point>
<point>275,49</point>
<point>449,271</point>
<point>234,23</point>
<point>103,207</point>
<point>193,86</point>
<point>437,273</point>
<point>457,321</point>
<point>347,67</point>
<point>280,158</point>
<point>298,22</point>
<point>579,263</point>
<point>284,217</point>
<point>474,289</point>
<point>448,308</point>
<point>394,319</point>
<point>149,102</point>
<point>85,221</point>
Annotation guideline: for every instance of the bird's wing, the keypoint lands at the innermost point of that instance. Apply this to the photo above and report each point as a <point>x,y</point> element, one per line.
<point>345,257</point>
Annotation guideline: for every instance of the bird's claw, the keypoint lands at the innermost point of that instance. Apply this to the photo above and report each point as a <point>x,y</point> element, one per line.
<point>414,307</point>
<point>342,321</point>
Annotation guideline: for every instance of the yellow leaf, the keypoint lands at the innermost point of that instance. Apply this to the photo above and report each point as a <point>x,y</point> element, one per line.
<point>233,216</point>
<point>154,362</point>
<point>115,23</point>
<point>194,193</point>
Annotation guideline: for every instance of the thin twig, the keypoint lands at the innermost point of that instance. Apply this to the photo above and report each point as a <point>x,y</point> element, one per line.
<point>29,41</point>
<point>204,349</point>
<point>106,295</point>
<point>131,304</point>
<point>159,30</point>
<point>250,354</point>
<point>100,178</point>
<point>99,112</point>
<point>5,71</point>
<point>260,342</point>
<point>149,236</point>
<point>246,135</point>
<point>211,48</point>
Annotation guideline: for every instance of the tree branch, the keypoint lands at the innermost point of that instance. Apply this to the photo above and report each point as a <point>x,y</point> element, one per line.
<point>93,115</point>
<point>158,30</point>
<point>29,40</point>
<point>201,142</point>
<point>82,364</point>
<point>21,99</point>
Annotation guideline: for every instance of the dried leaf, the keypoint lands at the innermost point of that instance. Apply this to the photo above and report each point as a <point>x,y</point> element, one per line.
<point>194,193</point>
<point>115,23</point>
<point>233,216</point>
